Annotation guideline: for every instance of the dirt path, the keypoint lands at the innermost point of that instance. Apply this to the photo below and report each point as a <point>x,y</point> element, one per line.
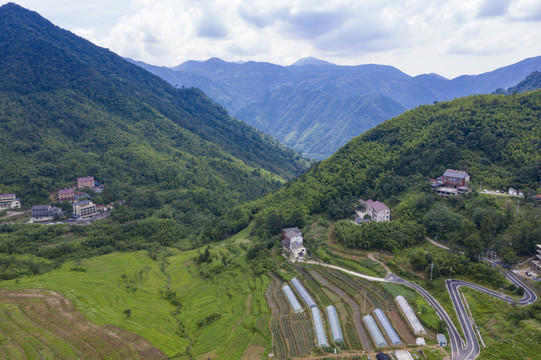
<point>53,324</point>
<point>14,213</point>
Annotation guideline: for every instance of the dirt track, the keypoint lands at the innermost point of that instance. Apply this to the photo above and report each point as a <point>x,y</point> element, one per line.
<point>50,323</point>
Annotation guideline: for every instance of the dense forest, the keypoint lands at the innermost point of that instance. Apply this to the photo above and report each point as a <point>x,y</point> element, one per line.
<point>70,109</point>
<point>494,138</point>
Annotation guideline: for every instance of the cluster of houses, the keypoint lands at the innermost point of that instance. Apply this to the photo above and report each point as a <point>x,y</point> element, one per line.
<point>71,194</point>
<point>83,207</point>
<point>9,201</point>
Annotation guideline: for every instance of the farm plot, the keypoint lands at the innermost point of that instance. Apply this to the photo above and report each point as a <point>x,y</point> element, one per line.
<point>352,331</point>
<point>44,324</point>
<point>358,289</point>
<point>293,334</point>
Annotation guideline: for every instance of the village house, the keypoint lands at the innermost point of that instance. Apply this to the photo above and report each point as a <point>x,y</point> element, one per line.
<point>9,201</point>
<point>45,212</point>
<point>66,195</point>
<point>85,209</point>
<point>378,211</point>
<point>452,182</point>
<point>293,242</point>
<point>85,182</point>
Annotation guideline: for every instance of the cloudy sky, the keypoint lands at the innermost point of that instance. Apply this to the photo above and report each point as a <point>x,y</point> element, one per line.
<point>448,37</point>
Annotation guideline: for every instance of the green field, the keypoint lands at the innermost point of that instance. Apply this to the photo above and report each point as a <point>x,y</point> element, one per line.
<point>108,285</point>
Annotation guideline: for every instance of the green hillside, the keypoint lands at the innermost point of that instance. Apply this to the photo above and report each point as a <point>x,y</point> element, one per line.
<point>494,138</point>
<point>69,109</point>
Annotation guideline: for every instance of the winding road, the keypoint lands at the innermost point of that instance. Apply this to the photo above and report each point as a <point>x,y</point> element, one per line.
<point>462,349</point>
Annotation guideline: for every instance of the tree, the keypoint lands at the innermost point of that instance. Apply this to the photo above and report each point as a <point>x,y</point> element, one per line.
<point>127,313</point>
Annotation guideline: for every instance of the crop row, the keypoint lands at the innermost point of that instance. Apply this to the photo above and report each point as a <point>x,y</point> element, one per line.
<point>280,348</point>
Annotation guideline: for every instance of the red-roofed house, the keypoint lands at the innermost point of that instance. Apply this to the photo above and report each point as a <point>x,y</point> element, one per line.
<point>378,211</point>
<point>85,182</point>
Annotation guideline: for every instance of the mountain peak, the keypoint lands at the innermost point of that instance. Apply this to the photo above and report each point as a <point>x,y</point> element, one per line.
<point>310,61</point>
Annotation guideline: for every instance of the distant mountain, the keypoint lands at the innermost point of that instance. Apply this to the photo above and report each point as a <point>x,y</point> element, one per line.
<point>267,96</point>
<point>69,108</point>
<point>310,61</point>
<point>532,82</point>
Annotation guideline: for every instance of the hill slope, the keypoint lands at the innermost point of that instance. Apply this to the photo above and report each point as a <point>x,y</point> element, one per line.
<point>495,138</point>
<point>69,108</point>
<point>333,97</point>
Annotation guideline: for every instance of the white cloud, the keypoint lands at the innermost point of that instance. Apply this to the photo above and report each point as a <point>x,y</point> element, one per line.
<point>417,36</point>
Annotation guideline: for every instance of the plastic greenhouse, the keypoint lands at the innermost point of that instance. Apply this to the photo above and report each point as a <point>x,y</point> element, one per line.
<point>335,324</point>
<point>395,340</point>
<point>318,325</point>
<point>377,336</point>
<point>292,299</point>
<point>418,329</point>
<point>304,294</point>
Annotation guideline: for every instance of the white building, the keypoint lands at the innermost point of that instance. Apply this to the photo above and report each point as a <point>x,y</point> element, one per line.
<point>85,209</point>
<point>9,201</point>
<point>513,191</point>
<point>293,242</point>
<point>378,211</point>
<point>537,261</point>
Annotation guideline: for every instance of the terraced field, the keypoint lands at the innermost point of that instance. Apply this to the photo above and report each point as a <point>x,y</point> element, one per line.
<point>121,295</point>
<point>43,324</point>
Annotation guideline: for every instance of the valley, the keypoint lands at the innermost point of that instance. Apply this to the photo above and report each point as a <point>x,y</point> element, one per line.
<point>209,218</point>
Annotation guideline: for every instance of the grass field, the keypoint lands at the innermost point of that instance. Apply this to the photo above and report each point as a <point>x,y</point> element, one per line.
<point>503,338</point>
<point>104,287</point>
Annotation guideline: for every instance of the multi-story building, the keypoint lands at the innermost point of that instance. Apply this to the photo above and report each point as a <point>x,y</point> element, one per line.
<point>66,195</point>
<point>45,212</point>
<point>85,182</point>
<point>293,241</point>
<point>85,209</point>
<point>9,201</point>
<point>455,178</point>
<point>378,211</point>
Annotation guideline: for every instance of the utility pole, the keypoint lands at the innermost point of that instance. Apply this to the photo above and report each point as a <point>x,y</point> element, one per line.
<point>480,185</point>
<point>431,270</point>
<point>450,270</point>
<point>518,206</point>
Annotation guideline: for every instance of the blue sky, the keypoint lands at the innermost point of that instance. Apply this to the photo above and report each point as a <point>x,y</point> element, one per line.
<point>448,37</point>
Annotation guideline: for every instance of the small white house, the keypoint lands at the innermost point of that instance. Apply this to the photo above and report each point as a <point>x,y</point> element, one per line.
<point>442,341</point>
<point>513,191</point>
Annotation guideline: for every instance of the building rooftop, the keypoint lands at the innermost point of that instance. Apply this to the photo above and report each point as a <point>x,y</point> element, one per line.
<point>65,191</point>
<point>456,173</point>
<point>376,205</point>
<point>88,178</point>
<point>7,196</point>
<point>41,207</point>
<point>83,202</point>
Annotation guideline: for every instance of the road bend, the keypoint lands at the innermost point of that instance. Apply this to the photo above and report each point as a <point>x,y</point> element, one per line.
<point>462,349</point>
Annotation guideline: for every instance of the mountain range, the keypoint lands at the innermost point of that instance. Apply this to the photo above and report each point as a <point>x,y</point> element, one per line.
<point>70,109</point>
<point>315,106</point>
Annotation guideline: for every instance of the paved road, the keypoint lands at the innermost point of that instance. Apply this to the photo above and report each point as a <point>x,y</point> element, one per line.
<point>468,349</point>
<point>462,349</point>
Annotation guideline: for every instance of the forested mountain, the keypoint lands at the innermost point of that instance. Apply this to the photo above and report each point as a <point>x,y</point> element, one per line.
<point>315,106</point>
<point>69,109</point>
<point>532,82</point>
<point>495,138</point>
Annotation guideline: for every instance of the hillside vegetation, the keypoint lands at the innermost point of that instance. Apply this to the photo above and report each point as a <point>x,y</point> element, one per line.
<point>494,138</point>
<point>69,109</point>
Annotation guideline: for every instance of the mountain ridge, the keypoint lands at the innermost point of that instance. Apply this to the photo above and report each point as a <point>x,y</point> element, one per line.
<point>246,89</point>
